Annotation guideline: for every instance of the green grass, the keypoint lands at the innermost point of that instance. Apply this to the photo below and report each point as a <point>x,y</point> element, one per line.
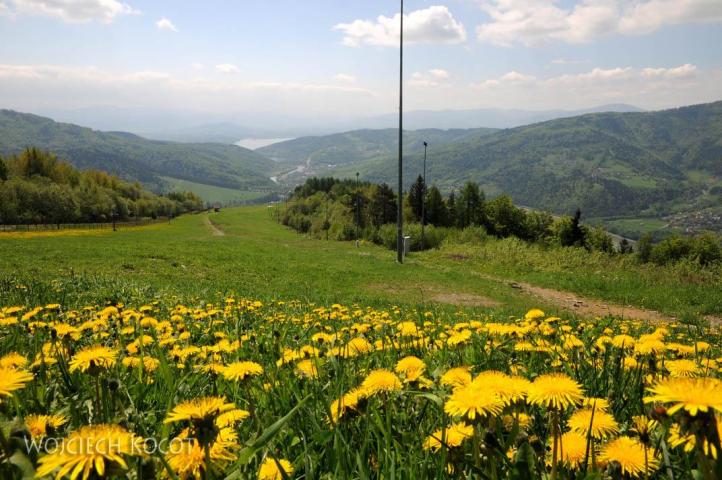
<point>212,193</point>
<point>259,258</point>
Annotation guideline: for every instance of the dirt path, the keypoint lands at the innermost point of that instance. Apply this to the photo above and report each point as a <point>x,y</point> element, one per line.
<point>589,307</point>
<point>215,231</point>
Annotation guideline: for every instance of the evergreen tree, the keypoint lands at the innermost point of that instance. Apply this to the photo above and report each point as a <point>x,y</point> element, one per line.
<point>436,212</point>
<point>383,205</point>
<point>3,170</point>
<point>451,220</point>
<point>416,197</point>
<point>470,207</point>
<point>625,247</point>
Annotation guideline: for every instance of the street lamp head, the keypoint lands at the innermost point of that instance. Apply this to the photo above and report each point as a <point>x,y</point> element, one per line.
<point>426,144</point>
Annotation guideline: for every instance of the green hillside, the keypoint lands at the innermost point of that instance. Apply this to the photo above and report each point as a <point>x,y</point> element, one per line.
<point>608,164</point>
<point>358,145</point>
<point>135,158</point>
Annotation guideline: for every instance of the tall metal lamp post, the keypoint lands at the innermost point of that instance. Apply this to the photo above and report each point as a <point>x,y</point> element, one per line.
<point>423,202</point>
<point>400,206</point>
<point>358,209</point>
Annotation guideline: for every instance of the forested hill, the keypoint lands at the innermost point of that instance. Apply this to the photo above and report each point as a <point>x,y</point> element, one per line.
<point>358,145</point>
<point>135,158</point>
<point>607,163</point>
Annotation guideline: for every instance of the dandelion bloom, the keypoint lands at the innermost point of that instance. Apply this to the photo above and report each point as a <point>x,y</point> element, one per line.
<point>41,425</point>
<point>271,469</point>
<point>91,450</point>
<point>380,381</point>
<point>456,377</point>
<point>93,357</point>
<point>307,368</point>
<point>199,409</point>
<point>509,389</point>
<point>13,360</point>
<point>12,380</point>
<point>238,371</point>
<point>630,454</point>
<point>682,368</point>
<point>471,402</point>
<point>555,390</point>
<point>690,394</point>
<point>450,437</point>
<point>349,401</point>
<point>573,448</point>
<point>186,455</point>
<point>411,368</point>
<point>598,423</point>
<point>231,417</point>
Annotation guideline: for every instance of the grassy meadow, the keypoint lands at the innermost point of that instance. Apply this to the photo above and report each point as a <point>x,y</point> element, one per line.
<point>247,351</point>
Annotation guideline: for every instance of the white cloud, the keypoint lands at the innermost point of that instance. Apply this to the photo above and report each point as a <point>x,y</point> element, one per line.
<point>30,87</point>
<point>536,22</point>
<point>567,61</point>
<point>433,78</point>
<point>435,24</point>
<point>197,66</point>
<point>74,10</point>
<point>228,69</point>
<point>165,24</point>
<point>346,78</point>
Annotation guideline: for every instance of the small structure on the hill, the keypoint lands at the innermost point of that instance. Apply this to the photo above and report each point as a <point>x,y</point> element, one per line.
<point>216,207</point>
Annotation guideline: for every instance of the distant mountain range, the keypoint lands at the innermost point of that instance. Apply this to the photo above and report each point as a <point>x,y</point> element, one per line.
<point>186,126</point>
<point>608,164</point>
<point>136,158</point>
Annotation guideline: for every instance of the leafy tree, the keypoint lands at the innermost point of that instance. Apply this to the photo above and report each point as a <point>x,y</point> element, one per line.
<point>416,197</point>
<point>436,211</point>
<point>644,248</point>
<point>504,219</point>
<point>3,170</point>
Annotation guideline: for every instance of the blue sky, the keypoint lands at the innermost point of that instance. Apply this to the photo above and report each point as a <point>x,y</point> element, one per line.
<point>338,57</point>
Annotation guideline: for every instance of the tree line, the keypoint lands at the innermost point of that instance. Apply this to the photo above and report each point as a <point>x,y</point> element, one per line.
<point>37,187</point>
<point>346,210</point>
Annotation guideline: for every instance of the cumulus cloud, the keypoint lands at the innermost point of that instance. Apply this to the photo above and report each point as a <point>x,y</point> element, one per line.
<point>28,87</point>
<point>78,11</point>
<point>346,78</point>
<point>165,24</point>
<point>435,24</point>
<point>433,78</point>
<point>227,68</point>
<point>537,22</point>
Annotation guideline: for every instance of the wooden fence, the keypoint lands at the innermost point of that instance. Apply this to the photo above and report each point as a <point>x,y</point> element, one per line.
<point>41,227</point>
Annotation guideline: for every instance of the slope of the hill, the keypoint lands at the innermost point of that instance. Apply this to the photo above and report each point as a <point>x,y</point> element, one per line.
<point>608,164</point>
<point>136,158</point>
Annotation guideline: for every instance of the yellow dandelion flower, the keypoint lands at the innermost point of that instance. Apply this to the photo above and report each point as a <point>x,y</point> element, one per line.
<point>411,368</point>
<point>598,423</point>
<point>573,449</point>
<point>272,469</point>
<point>380,381</point>
<point>199,409</point>
<point>186,456</point>
<point>13,360</point>
<point>231,417</point>
<point>92,358</point>
<point>534,314</point>
<point>630,455</point>
<point>555,390</point>
<point>307,368</point>
<point>598,404</point>
<point>238,371</point>
<point>41,425</point>
<point>508,389</point>
<point>91,450</point>
<point>471,402</point>
<point>682,368</point>
<point>450,437</point>
<point>12,380</point>
<point>456,377</point>
<point>689,394</point>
